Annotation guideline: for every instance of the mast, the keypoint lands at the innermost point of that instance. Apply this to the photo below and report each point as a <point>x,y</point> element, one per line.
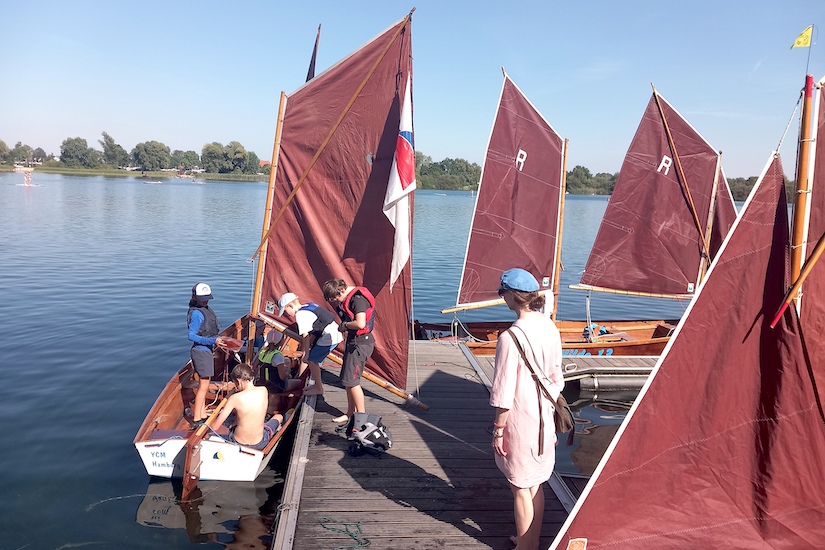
<point>802,201</point>
<point>558,266</point>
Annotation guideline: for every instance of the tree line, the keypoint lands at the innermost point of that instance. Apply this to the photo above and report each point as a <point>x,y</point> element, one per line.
<point>232,158</point>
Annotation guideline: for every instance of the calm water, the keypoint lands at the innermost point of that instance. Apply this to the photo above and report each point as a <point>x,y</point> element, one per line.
<point>96,276</point>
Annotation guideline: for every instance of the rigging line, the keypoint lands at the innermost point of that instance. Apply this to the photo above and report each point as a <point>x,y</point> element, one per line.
<point>681,172</point>
<point>322,147</point>
<point>788,126</point>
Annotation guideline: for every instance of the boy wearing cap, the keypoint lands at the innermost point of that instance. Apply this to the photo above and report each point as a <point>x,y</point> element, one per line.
<point>203,329</point>
<point>318,331</point>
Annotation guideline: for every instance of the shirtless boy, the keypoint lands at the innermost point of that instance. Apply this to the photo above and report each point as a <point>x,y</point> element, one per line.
<point>250,403</point>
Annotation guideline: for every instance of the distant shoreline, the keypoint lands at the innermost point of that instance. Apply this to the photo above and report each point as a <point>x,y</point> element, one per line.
<point>141,175</point>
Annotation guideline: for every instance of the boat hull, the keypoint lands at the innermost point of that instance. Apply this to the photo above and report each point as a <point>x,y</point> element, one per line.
<point>622,337</point>
<point>165,438</point>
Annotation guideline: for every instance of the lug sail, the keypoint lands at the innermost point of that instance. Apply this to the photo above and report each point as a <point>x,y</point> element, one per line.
<point>517,220</point>
<point>668,214</point>
<point>336,151</point>
<point>725,445</point>
<point>729,446</point>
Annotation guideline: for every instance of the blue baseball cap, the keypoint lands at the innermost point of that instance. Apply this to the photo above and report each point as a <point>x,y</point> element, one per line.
<point>518,279</point>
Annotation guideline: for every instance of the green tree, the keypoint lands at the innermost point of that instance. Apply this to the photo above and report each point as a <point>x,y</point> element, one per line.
<point>113,154</point>
<point>449,173</point>
<point>253,163</point>
<point>39,155</point>
<point>184,160</point>
<point>236,157</point>
<point>151,155</point>
<point>21,153</point>
<point>77,153</point>
<point>4,153</point>
<point>213,158</point>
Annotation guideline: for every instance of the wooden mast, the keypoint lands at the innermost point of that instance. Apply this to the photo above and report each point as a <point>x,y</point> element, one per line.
<point>557,267</point>
<point>802,200</point>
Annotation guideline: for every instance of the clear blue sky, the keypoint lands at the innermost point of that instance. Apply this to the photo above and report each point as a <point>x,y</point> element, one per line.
<point>187,73</point>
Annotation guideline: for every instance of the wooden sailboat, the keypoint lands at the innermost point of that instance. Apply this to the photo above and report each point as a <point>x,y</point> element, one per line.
<point>724,446</point>
<point>324,217</point>
<point>667,215</point>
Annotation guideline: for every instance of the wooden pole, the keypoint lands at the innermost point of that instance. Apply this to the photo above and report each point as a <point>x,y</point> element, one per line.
<point>802,202</point>
<point>681,173</point>
<point>558,266</point>
<point>793,292</point>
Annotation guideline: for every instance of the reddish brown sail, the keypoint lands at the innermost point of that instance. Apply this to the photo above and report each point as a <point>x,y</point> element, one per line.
<point>518,207</point>
<point>670,209</point>
<point>725,446</point>
<point>338,139</point>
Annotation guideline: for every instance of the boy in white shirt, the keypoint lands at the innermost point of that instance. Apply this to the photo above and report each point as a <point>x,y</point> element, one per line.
<point>319,333</point>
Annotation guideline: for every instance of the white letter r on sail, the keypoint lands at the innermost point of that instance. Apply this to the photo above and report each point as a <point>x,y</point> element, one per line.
<point>520,158</point>
<point>666,164</point>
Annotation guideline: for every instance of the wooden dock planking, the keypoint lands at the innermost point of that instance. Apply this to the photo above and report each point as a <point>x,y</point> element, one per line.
<point>438,487</point>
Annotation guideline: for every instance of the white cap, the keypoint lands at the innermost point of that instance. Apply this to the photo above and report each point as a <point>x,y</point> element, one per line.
<point>202,291</point>
<point>285,300</point>
<point>274,336</point>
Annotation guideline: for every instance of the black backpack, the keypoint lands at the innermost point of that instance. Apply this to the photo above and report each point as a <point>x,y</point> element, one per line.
<point>368,434</point>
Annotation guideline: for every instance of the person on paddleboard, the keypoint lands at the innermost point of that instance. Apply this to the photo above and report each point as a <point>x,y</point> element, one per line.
<point>318,331</point>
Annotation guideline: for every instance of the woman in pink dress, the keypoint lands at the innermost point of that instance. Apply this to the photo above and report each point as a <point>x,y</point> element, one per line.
<point>524,435</point>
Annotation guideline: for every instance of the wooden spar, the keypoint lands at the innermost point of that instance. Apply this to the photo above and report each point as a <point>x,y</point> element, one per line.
<point>705,260</point>
<point>557,267</point>
<point>802,199</point>
<point>270,192</point>
<point>332,131</point>
<point>793,292</point>
<point>192,463</point>
<point>801,207</point>
<point>477,305</point>
<point>408,397</point>
<point>681,172</point>
<point>631,292</point>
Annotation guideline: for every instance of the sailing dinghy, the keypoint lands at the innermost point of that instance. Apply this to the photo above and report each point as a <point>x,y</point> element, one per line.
<point>671,205</point>
<point>328,214</point>
<point>724,446</point>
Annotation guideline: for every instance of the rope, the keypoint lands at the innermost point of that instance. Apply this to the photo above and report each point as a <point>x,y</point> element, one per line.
<point>359,541</point>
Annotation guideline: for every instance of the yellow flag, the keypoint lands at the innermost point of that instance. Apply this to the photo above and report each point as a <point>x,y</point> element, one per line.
<point>804,38</point>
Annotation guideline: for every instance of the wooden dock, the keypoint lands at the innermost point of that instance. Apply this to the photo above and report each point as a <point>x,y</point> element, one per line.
<point>438,487</point>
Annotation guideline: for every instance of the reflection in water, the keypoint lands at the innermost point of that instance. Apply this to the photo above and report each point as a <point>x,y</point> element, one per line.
<point>598,416</point>
<point>234,514</point>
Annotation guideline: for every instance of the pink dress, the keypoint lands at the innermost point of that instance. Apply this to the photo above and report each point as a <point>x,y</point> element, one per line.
<point>514,389</point>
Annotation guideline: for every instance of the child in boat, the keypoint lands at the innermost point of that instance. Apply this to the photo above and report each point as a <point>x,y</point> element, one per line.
<point>249,403</point>
<point>318,331</point>
<point>280,376</point>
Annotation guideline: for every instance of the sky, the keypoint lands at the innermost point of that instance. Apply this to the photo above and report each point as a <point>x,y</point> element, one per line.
<point>187,73</point>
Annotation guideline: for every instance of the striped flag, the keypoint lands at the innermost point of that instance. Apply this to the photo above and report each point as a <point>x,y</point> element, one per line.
<point>804,38</point>
<point>401,184</point>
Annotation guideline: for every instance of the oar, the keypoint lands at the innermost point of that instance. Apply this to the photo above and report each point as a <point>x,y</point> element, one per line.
<point>809,265</point>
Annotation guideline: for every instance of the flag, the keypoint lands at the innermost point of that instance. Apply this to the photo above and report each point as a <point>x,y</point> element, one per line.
<point>804,38</point>
<point>401,184</point>
<point>311,71</point>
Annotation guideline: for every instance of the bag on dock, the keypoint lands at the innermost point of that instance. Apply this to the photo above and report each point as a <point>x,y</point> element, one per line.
<point>368,434</point>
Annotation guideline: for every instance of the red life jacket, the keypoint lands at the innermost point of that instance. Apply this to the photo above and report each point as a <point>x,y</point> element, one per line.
<point>345,307</point>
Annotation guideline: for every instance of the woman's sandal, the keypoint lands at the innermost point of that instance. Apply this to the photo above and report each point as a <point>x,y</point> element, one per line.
<point>341,419</point>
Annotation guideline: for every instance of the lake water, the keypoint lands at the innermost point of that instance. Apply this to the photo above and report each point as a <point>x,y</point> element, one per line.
<point>96,277</point>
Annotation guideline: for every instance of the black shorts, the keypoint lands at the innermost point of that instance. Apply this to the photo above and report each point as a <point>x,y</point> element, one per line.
<point>203,361</point>
<point>356,353</point>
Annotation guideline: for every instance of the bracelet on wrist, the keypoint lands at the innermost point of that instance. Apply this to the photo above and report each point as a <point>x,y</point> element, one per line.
<point>498,436</point>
